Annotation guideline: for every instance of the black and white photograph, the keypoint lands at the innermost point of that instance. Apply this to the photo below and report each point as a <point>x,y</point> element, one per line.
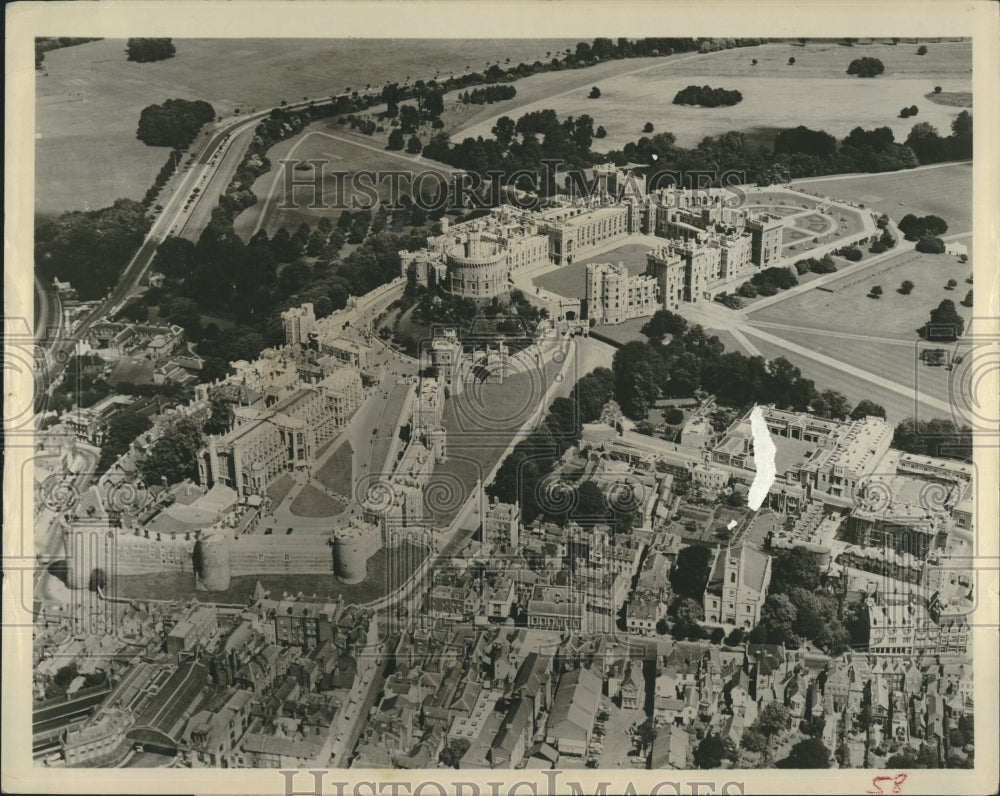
<point>501,409</point>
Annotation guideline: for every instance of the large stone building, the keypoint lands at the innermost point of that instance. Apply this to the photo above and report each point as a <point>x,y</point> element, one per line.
<point>613,296</point>
<point>284,436</point>
<point>475,259</point>
<point>737,586</point>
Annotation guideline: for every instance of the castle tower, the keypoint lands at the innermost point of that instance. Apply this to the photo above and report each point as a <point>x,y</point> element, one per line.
<point>353,545</point>
<point>90,548</point>
<point>211,559</point>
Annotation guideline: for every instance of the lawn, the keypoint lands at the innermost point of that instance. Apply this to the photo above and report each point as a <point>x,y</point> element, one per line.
<point>279,489</point>
<point>89,97</point>
<point>342,151</point>
<point>622,333</point>
<point>336,472</point>
<point>848,309</point>
<point>826,377</point>
<point>312,502</point>
<point>386,429</point>
<point>480,423</point>
<point>945,191</point>
<point>815,92</point>
<point>386,570</point>
<point>571,280</point>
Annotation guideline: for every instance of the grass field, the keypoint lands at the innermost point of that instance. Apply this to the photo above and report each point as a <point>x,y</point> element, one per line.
<point>571,280</point>
<point>336,473</point>
<point>848,309</point>
<point>312,502</point>
<point>279,488</point>
<point>816,92</point>
<point>480,423</point>
<point>826,377</point>
<point>89,97</point>
<point>343,151</point>
<point>945,191</point>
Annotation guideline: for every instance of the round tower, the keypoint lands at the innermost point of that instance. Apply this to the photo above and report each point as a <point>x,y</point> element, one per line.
<point>352,547</point>
<point>89,548</point>
<point>211,562</point>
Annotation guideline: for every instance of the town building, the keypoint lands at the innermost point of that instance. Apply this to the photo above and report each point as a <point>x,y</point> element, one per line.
<point>737,586</point>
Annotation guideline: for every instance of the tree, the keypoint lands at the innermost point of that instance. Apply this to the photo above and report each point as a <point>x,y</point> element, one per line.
<point>810,753</point>
<point>937,89</point>
<point>174,456</point>
<point>147,50</point>
<point>647,127</point>
<point>595,93</point>
<point>396,139</point>
<point>951,284</point>
<point>661,626</point>
<point>866,67</point>
<point>452,754</point>
<point>690,573</point>
<point>413,146</point>
<point>773,719</point>
<point>221,418</point>
<point>736,637</point>
<point>777,615</point>
<point>639,371</point>
<point>867,408</point>
<point>967,301</point>
<point>600,132</point>
<point>98,580</point>
<point>931,245</point>
<point>791,61</point>
<point>717,635</point>
<point>754,740</point>
<point>712,751</point>
<point>945,322</point>
<point>645,734</point>
<point>906,288</point>
<point>876,292</point>
<point>921,50</point>
<point>673,416</point>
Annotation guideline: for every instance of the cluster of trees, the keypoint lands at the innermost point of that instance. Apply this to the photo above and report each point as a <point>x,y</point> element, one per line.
<point>532,459</point>
<point>823,265</point>
<point>883,242</point>
<point>707,97</point>
<point>64,677</point>
<point>931,245</point>
<point>693,360</point>
<point>397,140</point>
<point>866,67</point>
<point>363,126</point>
<point>175,123</point>
<point>174,455</point>
<point>44,44</point>
<point>90,248</point>
<point>767,282</point>
<point>917,227</point>
<point>798,608</point>
<point>487,95</point>
<point>851,252</point>
<point>935,437</point>
<point>521,145</point>
<point>906,113</point>
<point>146,50</point>
<point>930,147</point>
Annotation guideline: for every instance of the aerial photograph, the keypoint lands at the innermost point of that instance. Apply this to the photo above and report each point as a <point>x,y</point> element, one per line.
<point>539,404</point>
